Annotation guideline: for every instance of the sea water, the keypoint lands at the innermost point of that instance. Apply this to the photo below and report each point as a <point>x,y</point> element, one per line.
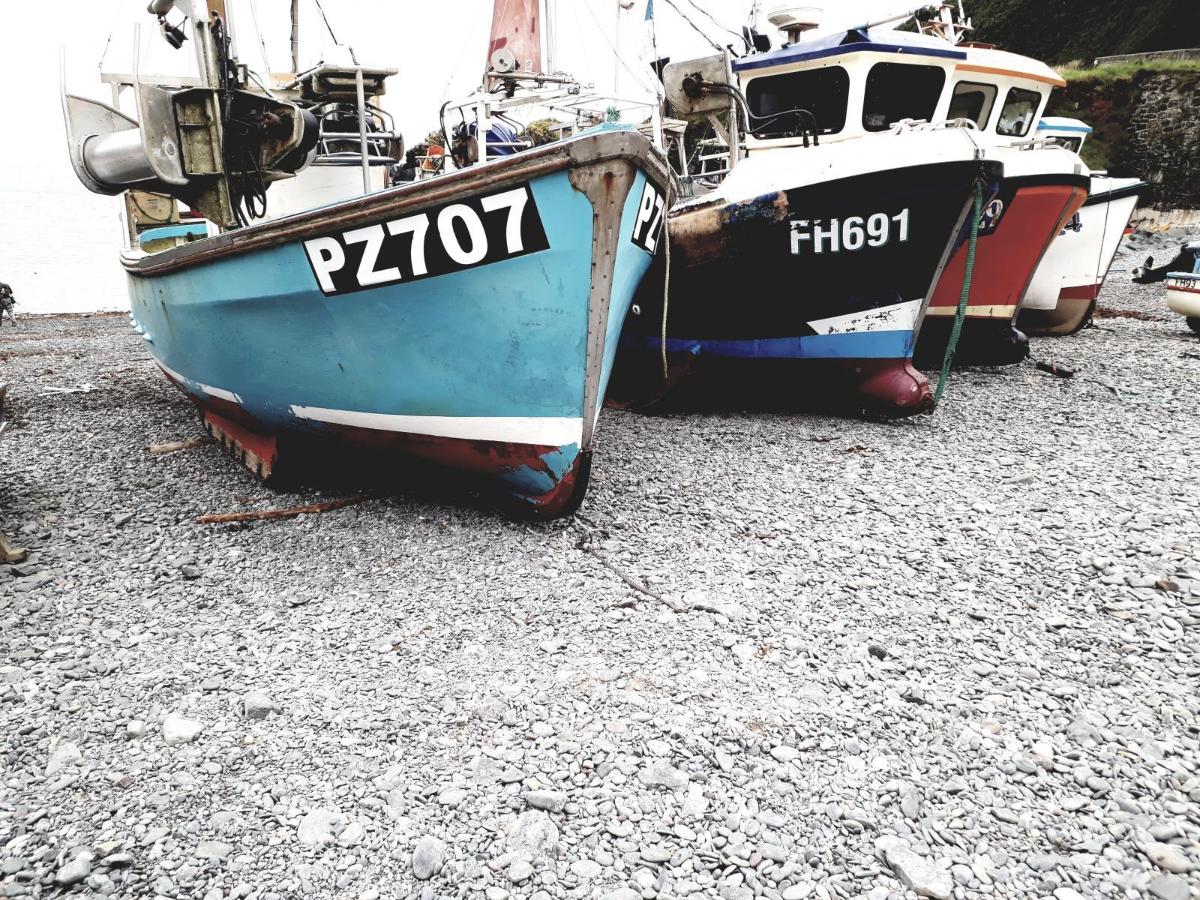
<point>59,251</point>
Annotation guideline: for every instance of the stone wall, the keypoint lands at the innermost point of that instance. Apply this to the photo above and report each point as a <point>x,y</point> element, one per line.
<point>1147,125</point>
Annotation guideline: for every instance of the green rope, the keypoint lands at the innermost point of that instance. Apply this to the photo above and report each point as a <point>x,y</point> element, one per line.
<point>960,314</point>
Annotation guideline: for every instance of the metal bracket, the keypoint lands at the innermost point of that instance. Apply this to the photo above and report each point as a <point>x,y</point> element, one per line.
<point>607,186</point>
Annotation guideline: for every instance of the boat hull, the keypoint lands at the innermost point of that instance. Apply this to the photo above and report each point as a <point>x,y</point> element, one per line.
<point>1065,287</point>
<point>1183,296</point>
<point>764,309</point>
<point>1016,231</point>
<point>489,355</point>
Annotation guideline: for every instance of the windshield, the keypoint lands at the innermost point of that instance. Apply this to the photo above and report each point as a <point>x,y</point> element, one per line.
<point>1020,108</point>
<point>898,91</point>
<point>775,99</point>
<point>973,101</point>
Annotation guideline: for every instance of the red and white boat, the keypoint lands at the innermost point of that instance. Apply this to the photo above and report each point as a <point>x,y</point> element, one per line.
<point>1065,287</point>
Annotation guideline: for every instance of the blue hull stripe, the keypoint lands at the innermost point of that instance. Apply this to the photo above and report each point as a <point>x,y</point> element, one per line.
<point>854,345</point>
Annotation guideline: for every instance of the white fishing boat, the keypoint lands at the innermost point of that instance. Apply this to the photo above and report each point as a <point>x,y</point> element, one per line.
<point>1183,288</point>
<point>834,132</point>
<point>1063,293</point>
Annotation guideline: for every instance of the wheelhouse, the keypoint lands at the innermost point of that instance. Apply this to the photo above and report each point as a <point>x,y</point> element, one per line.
<point>854,84</point>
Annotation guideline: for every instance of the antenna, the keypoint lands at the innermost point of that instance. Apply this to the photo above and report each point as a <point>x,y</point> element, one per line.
<point>549,37</point>
<point>295,37</point>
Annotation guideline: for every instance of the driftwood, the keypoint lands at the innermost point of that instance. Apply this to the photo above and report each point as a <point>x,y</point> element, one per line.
<point>584,545</point>
<point>179,446</point>
<point>289,513</point>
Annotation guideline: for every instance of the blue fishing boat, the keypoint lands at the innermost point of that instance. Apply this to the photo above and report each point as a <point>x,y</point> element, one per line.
<point>469,320</point>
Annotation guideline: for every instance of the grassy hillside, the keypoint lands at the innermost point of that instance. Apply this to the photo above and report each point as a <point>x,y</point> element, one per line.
<point>1059,31</point>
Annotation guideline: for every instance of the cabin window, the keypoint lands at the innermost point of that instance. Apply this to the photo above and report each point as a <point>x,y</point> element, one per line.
<point>774,102</point>
<point>1020,109</point>
<point>973,101</point>
<point>898,91</point>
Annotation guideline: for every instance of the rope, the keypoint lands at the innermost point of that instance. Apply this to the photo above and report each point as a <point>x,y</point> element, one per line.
<point>961,312</point>
<point>696,28</point>
<point>329,28</point>
<point>262,43</point>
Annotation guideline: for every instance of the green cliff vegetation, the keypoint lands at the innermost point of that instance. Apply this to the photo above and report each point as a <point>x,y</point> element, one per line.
<point>1063,31</point>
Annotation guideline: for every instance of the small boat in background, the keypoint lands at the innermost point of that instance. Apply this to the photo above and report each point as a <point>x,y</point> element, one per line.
<point>1183,289</point>
<point>467,320</point>
<point>1063,293</point>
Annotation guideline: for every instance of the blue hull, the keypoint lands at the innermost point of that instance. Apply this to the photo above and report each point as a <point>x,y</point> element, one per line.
<point>490,354</point>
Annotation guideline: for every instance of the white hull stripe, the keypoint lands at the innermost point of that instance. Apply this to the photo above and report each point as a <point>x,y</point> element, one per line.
<point>536,430</point>
<point>901,317</point>
<point>992,312</point>
<point>219,393</point>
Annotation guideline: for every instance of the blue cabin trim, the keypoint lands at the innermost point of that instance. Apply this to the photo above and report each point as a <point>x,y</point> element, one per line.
<point>1046,126</point>
<point>827,48</point>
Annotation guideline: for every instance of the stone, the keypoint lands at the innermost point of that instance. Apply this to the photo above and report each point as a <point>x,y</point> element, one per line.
<point>622,893</point>
<point>586,869</point>
<point>177,730</point>
<point>213,850</point>
<point>521,870</point>
<point>452,797</point>
<point>320,827</point>
<point>255,706</point>
<point>784,753</point>
<point>428,857</point>
<point>75,871</point>
<point>63,755</point>
<point>1168,857</point>
<point>954,785</point>
<point>550,801</point>
<point>663,774</point>
<point>535,833</point>
<point>1169,887</point>
<point>134,729</point>
<point>915,872</point>
<point>656,853</point>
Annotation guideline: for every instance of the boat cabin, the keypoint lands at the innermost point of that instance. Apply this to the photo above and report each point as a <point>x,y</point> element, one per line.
<point>860,82</point>
<point>1069,133</point>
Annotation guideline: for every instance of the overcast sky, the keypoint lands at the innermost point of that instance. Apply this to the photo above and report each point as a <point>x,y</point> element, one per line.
<point>438,46</point>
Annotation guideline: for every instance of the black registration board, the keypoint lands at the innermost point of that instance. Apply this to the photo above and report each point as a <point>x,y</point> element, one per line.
<point>472,232</point>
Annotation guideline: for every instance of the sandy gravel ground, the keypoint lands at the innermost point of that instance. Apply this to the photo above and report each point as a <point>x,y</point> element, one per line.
<point>953,656</point>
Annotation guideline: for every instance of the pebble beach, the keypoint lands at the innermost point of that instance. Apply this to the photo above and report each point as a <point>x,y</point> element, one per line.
<point>776,656</point>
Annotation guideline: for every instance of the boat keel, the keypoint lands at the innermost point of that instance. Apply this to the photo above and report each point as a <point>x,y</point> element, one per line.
<point>983,342</point>
<point>257,452</point>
